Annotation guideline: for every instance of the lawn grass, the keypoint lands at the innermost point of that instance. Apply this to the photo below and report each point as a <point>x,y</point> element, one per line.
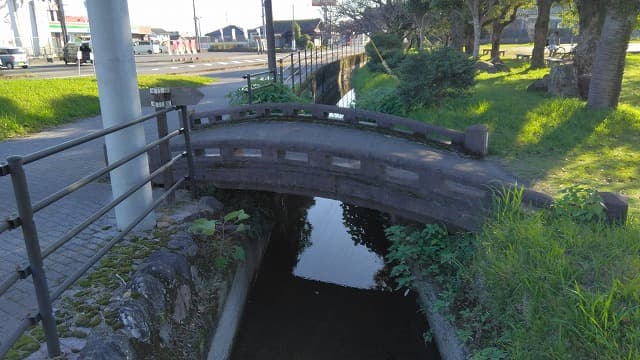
<point>30,105</point>
<point>549,286</point>
<point>548,142</point>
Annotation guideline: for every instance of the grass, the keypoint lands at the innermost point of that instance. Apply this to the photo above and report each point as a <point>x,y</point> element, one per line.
<point>548,142</point>
<point>30,105</point>
<point>559,288</point>
<point>544,285</point>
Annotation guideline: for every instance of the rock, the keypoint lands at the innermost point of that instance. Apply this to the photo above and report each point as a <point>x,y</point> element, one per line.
<point>540,84</point>
<point>182,303</point>
<point>137,319</point>
<point>492,68</point>
<point>211,203</point>
<point>563,81</point>
<point>485,66</point>
<point>184,244</point>
<point>104,344</point>
<point>165,266</point>
<point>151,289</point>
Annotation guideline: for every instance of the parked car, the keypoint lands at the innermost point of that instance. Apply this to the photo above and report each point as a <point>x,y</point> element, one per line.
<point>10,57</point>
<point>70,53</point>
<point>145,47</point>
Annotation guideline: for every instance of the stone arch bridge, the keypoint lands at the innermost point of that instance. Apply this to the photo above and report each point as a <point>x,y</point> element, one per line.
<point>397,165</point>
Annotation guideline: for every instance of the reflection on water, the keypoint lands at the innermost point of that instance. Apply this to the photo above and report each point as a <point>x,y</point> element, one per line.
<point>288,316</point>
<point>332,257</point>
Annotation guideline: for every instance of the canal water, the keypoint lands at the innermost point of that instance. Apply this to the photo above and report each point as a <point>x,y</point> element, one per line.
<point>324,292</point>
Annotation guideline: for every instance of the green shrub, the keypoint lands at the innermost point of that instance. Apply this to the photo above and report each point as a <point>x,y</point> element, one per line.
<point>274,93</point>
<point>389,47</point>
<point>426,77</point>
<point>384,100</point>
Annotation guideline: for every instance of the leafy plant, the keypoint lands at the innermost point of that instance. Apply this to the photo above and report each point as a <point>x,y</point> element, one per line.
<point>426,77</point>
<point>385,100</point>
<point>264,91</point>
<point>227,251</point>
<point>580,203</point>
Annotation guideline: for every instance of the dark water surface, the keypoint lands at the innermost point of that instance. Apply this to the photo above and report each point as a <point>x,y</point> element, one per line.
<point>323,291</point>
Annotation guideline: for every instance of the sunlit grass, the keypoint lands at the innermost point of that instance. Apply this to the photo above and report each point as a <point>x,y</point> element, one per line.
<point>29,105</point>
<point>548,142</point>
<point>554,288</point>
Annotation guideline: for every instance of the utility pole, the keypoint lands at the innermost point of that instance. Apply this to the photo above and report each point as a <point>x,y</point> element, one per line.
<point>195,23</point>
<point>271,40</point>
<point>63,22</point>
<point>120,103</point>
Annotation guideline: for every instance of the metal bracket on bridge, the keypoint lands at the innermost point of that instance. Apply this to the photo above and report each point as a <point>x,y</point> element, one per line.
<point>14,222</point>
<point>4,169</point>
<point>24,272</point>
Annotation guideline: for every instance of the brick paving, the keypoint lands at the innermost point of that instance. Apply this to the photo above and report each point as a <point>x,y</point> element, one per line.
<point>53,173</point>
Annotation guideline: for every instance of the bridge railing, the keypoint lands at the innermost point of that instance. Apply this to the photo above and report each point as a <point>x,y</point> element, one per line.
<point>15,167</point>
<point>474,140</point>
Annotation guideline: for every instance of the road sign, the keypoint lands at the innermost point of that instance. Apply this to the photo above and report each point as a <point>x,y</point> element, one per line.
<point>176,96</point>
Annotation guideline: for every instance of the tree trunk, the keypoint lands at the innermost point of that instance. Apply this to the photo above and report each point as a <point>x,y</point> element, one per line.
<point>496,33</point>
<point>474,6</point>
<point>608,65</point>
<point>540,36</point>
<point>591,17</point>
<point>456,23</point>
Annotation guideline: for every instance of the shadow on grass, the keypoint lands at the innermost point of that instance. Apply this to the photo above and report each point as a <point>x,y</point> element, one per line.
<point>11,117</point>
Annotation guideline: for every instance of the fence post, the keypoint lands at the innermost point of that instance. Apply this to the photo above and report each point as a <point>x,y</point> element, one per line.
<point>161,100</point>
<point>249,89</point>
<point>281,71</point>
<point>306,68</point>
<point>299,70</point>
<point>186,126</point>
<point>293,74</point>
<point>32,245</point>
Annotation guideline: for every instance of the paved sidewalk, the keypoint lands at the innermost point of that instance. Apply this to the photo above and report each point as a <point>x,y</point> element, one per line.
<point>53,173</point>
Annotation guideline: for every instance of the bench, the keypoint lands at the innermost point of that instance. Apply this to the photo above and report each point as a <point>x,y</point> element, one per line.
<point>488,51</point>
<point>551,61</point>
<point>523,56</point>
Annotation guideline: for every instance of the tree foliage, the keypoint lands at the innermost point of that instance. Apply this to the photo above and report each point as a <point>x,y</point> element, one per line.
<point>427,77</point>
<point>384,51</point>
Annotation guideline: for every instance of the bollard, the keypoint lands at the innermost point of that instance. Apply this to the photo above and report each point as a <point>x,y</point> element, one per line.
<point>476,140</point>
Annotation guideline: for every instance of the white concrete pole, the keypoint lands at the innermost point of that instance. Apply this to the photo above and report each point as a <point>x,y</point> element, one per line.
<point>119,103</point>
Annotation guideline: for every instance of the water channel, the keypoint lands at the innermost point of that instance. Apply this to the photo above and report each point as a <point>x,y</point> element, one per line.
<point>323,291</point>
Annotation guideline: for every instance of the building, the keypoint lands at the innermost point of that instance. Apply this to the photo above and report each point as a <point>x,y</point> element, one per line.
<point>230,33</point>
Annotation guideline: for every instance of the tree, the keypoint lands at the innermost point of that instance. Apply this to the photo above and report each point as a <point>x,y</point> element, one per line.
<point>540,35</point>
<point>479,10</point>
<point>503,14</point>
<point>590,20</point>
<point>608,66</point>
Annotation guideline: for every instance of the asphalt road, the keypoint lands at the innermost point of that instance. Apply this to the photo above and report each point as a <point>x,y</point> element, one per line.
<point>150,64</point>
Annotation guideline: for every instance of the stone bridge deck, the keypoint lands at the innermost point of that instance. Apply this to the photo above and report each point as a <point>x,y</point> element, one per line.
<point>366,168</point>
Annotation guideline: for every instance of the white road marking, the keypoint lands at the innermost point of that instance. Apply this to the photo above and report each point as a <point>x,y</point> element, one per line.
<point>236,62</point>
<point>155,69</point>
<point>222,63</point>
<point>174,67</point>
<point>192,66</point>
<point>209,64</point>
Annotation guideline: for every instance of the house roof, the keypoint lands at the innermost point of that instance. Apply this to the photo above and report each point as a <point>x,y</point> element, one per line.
<point>307,26</point>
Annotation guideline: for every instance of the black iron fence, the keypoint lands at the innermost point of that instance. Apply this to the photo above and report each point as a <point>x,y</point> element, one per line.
<point>24,219</point>
<point>296,67</point>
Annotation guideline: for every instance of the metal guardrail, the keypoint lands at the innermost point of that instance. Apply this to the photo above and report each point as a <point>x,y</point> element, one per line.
<point>26,210</point>
<point>303,63</point>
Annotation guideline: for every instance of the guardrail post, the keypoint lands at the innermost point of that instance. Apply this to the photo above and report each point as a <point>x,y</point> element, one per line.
<point>249,89</point>
<point>186,126</point>
<point>32,244</point>
<point>299,69</point>
<point>293,73</point>
<point>281,71</point>
<point>306,68</point>
<point>161,100</point>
